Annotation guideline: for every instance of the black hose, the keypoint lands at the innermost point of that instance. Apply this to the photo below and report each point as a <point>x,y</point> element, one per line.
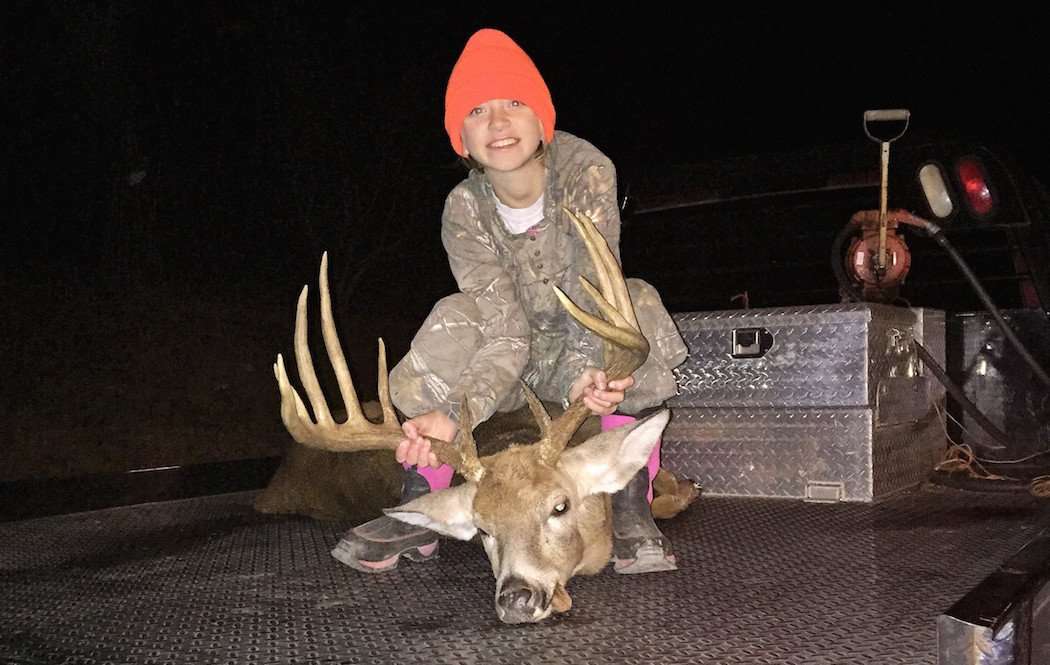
<point>957,393</point>
<point>846,286</point>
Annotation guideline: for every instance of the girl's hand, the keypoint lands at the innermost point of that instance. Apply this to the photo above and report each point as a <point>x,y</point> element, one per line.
<point>415,447</point>
<point>599,394</point>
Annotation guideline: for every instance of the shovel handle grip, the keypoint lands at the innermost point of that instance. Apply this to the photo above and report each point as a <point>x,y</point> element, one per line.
<point>882,115</point>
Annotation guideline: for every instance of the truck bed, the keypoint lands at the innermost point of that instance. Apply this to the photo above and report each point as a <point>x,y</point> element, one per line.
<point>209,580</point>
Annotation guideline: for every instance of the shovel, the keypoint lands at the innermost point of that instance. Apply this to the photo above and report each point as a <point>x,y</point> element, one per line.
<point>888,121</point>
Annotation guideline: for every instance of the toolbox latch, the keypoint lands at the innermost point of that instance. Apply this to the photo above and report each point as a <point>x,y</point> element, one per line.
<point>751,342</point>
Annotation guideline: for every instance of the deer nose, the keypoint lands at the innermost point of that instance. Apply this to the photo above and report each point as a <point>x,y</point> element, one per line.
<point>518,599</point>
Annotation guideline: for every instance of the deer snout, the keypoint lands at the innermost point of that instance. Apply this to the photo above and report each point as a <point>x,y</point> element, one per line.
<point>520,602</point>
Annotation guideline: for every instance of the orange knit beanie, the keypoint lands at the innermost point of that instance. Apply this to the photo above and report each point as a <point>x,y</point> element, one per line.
<point>492,66</point>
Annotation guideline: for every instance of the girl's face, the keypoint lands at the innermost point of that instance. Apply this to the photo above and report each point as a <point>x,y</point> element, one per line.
<point>502,134</point>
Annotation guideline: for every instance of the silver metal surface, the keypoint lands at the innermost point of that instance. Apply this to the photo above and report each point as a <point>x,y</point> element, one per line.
<point>209,581</point>
<point>839,404</point>
<point>1002,620</point>
<point>963,643</point>
<point>782,452</point>
<point>822,356</point>
<point>998,381</point>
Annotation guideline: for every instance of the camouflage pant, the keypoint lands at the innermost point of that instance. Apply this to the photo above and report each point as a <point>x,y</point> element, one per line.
<point>451,335</point>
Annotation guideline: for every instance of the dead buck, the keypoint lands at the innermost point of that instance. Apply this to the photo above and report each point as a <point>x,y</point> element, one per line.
<point>543,511</point>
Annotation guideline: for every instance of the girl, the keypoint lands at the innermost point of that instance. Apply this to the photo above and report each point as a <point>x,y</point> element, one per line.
<point>509,241</point>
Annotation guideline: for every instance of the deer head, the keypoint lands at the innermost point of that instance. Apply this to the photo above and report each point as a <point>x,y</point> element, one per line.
<point>541,523</point>
<point>542,511</point>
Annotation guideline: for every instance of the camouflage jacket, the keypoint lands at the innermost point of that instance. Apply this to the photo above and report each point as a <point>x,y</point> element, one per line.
<point>526,332</point>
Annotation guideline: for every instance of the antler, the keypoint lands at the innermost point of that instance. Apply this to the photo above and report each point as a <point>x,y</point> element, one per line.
<point>625,350</point>
<point>357,433</point>
<point>624,345</point>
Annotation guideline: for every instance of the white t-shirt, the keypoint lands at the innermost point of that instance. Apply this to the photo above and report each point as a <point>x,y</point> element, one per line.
<point>520,220</point>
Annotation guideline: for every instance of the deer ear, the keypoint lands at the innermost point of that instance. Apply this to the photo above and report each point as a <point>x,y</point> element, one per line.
<point>449,512</point>
<point>606,462</point>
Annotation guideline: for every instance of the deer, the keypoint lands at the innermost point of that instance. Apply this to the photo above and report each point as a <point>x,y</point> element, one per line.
<point>542,510</point>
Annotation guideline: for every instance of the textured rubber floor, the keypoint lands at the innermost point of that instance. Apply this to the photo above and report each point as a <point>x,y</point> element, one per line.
<point>760,581</point>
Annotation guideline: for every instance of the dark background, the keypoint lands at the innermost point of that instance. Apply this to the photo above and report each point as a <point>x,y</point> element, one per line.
<point>174,171</point>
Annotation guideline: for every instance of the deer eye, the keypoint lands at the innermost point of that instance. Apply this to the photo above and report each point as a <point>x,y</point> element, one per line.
<point>483,533</point>
<point>560,508</point>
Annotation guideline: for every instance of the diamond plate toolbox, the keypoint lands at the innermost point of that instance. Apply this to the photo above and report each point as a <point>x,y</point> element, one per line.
<point>827,403</point>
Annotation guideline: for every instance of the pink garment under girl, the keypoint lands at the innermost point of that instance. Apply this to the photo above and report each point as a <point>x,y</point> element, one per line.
<point>438,478</point>
<point>616,420</point>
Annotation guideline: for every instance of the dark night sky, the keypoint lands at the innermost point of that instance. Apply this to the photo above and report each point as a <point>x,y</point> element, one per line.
<point>263,131</point>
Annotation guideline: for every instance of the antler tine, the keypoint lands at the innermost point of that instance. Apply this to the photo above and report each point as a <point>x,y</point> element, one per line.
<point>462,455</point>
<point>334,348</point>
<point>389,416</point>
<point>610,275</point>
<point>539,412</point>
<point>306,364</point>
<point>293,411</point>
<point>625,346</point>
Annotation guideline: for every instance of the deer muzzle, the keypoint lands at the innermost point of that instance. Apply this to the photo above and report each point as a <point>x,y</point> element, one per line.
<point>519,601</point>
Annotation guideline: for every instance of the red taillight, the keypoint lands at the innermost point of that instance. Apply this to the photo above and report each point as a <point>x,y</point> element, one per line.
<point>975,186</point>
